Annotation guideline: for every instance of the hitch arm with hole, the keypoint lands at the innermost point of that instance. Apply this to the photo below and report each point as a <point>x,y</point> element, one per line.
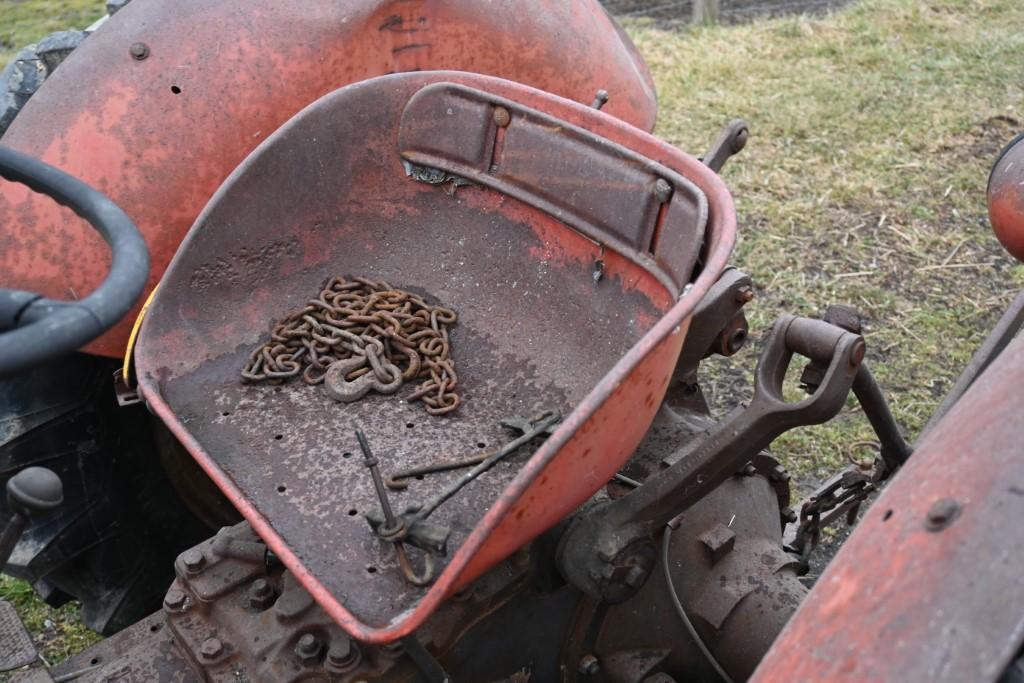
<point>609,552</point>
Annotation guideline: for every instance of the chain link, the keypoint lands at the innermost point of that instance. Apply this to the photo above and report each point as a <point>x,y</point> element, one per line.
<point>392,331</point>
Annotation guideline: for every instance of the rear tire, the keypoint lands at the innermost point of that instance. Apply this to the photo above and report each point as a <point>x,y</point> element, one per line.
<point>112,543</point>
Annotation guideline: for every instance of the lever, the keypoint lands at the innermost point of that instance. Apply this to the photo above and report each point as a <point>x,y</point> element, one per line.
<point>33,490</point>
<point>609,552</point>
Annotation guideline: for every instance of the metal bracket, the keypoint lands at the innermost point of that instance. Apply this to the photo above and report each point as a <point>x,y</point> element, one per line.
<point>732,141</point>
<point>609,552</point>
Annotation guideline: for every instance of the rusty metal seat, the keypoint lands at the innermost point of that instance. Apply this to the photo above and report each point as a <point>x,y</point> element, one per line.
<point>529,196</point>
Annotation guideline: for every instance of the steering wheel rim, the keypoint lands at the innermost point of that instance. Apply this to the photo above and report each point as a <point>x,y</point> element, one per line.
<point>35,329</point>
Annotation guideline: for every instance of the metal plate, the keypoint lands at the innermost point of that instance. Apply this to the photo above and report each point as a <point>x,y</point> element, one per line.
<point>16,646</point>
<point>328,194</point>
<point>908,600</point>
<point>160,135</point>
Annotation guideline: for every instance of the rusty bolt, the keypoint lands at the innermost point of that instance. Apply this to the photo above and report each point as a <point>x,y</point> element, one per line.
<point>857,355</point>
<point>211,648</point>
<point>941,514</point>
<point>261,594</point>
<point>501,117</point>
<point>635,577</point>
<point>589,666</point>
<point>663,190</point>
<point>175,598</point>
<point>744,294</point>
<point>308,649</point>
<point>139,51</point>
<point>789,515</point>
<point>194,560</point>
<point>343,655</point>
<point>779,473</point>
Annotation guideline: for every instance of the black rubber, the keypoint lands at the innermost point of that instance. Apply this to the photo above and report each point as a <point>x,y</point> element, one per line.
<point>33,329</point>
<point>111,543</point>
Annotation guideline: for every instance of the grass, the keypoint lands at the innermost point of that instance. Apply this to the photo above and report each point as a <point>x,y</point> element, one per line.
<point>872,131</point>
<point>58,632</point>
<point>26,21</point>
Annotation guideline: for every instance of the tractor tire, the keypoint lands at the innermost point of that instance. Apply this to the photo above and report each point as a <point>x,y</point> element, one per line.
<point>20,79</point>
<point>112,543</point>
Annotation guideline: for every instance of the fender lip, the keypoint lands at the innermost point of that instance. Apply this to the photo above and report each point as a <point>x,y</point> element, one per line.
<point>659,340</point>
<point>160,135</point>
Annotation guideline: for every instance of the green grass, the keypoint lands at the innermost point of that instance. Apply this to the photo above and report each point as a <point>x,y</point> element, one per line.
<point>26,21</point>
<point>58,632</point>
<point>872,131</point>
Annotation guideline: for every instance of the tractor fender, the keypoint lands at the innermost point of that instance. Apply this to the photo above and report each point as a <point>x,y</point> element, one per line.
<point>167,98</point>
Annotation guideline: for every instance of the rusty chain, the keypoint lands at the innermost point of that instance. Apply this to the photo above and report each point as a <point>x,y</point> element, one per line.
<point>373,335</point>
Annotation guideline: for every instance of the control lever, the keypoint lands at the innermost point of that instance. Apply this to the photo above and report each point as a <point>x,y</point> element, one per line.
<point>31,491</point>
<point>609,552</point>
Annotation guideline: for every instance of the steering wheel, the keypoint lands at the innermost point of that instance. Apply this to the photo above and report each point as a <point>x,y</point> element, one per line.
<point>34,329</point>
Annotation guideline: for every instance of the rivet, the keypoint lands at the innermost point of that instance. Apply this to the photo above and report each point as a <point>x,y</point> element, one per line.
<point>139,51</point>
<point>941,514</point>
<point>501,117</point>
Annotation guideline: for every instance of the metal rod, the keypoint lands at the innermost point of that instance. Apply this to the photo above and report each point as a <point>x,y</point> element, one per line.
<point>895,449</point>
<point>538,428</point>
<point>378,482</point>
<point>10,536</point>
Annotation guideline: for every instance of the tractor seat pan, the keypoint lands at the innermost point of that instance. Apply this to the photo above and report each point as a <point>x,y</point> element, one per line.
<point>529,196</point>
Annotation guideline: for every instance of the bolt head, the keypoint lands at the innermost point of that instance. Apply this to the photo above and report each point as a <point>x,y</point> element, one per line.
<point>194,560</point>
<point>589,666</point>
<point>343,655</point>
<point>175,598</point>
<point>261,594</point>
<point>501,117</point>
<point>744,295</point>
<point>662,190</point>
<point>308,649</point>
<point>139,51</point>
<point>942,513</point>
<point>211,648</point>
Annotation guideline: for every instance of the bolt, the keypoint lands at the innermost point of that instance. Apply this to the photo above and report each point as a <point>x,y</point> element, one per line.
<point>857,354</point>
<point>779,473</point>
<point>501,117</point>
<point>343,655</point>
<point>175,598</point>
<point>600,99</point>
<point>211,648</point>
<point>662,190</point>
<point>139,51</point>
<point>789,515</point>
<point>744,294</point>
<point>308,649</point>
<point>194,560</point>
<point>749,470</point>
<point>589,666</point>
<point>941,514</point>
<point>635,577</point>
<point>261,594</point>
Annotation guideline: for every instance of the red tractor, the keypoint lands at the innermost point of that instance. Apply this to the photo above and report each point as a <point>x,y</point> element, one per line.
<point>424,376</point>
